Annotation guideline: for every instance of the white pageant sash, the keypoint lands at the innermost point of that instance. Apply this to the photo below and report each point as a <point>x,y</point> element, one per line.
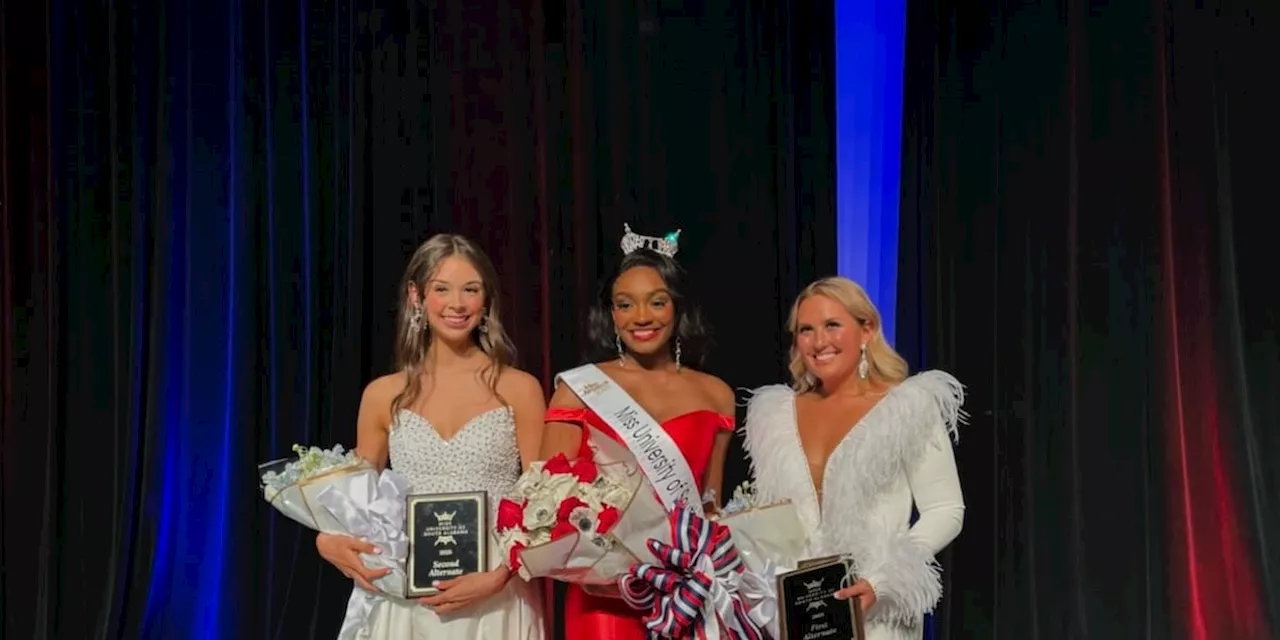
<point>656,453</point>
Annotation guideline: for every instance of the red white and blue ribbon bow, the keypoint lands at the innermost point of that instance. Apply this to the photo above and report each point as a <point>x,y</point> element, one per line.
<point>694,592</point>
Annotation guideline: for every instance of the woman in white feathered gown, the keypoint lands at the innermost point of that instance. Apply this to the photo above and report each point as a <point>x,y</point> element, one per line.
<point>874,442</point>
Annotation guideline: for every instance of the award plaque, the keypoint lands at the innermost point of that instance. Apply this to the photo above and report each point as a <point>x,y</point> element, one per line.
<point>808,608</point>
<point>448,537</point>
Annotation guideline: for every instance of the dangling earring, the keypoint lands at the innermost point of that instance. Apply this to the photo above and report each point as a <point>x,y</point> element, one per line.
<point>677,353</point>
<point>416,322</point>
<point>617,342</point>
<point>484,322</point>
<point>864,367</point>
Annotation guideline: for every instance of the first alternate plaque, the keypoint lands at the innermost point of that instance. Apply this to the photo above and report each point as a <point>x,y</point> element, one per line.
<point>448,537</point>
<point>808,607</point>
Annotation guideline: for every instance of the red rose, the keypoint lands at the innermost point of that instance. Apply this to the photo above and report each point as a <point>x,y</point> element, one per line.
<point>608,517</point>
<point>513,558</point>
<point>557,465</point>
<point>562,529</point>
<point>586,471</point>
<point>510,515</point>
<point>566,508</point>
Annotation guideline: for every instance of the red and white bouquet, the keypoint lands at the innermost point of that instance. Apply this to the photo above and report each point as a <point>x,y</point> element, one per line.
<point>597,522</point>
<point>561,520</point>
<point>583,521</point>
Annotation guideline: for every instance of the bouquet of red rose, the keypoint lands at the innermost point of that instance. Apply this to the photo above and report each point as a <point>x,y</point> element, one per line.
<point>580,520</point>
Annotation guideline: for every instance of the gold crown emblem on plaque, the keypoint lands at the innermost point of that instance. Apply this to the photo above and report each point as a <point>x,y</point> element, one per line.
<point>592,388</point>
<point>445,518</point>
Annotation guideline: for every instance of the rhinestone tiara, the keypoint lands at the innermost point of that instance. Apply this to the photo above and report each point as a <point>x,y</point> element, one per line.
<point>667,245</point>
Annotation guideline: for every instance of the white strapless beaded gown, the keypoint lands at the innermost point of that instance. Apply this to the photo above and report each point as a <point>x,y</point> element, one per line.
<point>482,456</point>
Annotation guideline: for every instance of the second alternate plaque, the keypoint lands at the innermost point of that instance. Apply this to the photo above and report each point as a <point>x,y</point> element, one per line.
<point>448,537</point>
<point>808,607</point>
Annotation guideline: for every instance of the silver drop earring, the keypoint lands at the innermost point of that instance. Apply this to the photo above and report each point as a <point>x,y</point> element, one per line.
<point>484,322</point>
<point>416,322</point>
<point>677,354</point>
<point>617,342</point>
<point>864,367</point>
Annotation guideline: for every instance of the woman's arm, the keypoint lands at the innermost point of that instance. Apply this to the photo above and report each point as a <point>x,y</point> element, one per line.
<point>562,437</point>
<point>524,392</point>
<point>373,422</point>
<point>713,482</point>
<point>723,403</point>
<point>907,581</point>
<point>935,487</point>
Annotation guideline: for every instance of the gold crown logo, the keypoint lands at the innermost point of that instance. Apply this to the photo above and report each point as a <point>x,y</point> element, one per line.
<point>592,388</point>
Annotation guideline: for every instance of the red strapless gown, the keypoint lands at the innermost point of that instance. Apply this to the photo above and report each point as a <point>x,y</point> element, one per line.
<point>588,617</point>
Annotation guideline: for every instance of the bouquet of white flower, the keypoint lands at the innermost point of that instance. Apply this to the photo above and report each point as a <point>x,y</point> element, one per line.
<point>291,484</point>
<point>335,491</point>
<point>770,541</point>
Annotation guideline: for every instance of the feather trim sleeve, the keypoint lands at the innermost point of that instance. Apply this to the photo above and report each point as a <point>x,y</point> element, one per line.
<point>770,411</point>
<point>907,580</point>
<point>903,571</point>
<point>943,391</point>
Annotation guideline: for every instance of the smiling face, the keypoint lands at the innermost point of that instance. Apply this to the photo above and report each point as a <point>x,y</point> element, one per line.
<point>453,299</point>
<point>643,311</point>
<point>829,339</point>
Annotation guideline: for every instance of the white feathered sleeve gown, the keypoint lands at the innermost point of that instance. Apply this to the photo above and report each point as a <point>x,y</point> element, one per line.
<point>898,455</point>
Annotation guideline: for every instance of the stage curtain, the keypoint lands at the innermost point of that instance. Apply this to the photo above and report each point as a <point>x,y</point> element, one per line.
<point>1086,205</point>
<point>207,208</point>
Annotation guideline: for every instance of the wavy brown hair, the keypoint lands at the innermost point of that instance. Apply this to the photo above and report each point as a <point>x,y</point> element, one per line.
<point>413,346</point>
<point>885,365</point>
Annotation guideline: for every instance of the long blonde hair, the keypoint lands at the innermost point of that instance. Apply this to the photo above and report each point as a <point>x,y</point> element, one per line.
<point>412,345</point>
<point>885,365</point>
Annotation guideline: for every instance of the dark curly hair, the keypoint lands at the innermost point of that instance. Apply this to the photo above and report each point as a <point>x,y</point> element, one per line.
<point>694,333</point>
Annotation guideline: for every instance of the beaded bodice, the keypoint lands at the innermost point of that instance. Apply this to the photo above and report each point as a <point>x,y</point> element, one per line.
<point>482,456</point>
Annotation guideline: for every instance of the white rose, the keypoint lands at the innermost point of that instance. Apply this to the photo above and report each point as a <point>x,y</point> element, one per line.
<point>510,537</point>
<point>530,482</point>
<point>593,500</point>
<point>540,513</point>
<point>617,496</point>
<point>583,519</point>
<point>557,487</point>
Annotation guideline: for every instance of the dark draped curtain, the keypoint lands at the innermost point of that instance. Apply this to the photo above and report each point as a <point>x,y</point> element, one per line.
<point>1088,194</point>
<point>207,206</point>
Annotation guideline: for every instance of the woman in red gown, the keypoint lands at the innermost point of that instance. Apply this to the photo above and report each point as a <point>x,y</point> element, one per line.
<point>652,339</point>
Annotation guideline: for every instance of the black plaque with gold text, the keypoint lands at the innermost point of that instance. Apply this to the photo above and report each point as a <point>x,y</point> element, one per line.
<point>448,538</point>
<point>807,605</point>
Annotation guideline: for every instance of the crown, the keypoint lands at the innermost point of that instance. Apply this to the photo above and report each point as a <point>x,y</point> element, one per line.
<point>667,245</point>
<point>443,518</point>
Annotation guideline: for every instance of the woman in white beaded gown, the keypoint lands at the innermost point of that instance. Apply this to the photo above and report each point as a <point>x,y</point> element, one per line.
<point>873,442</point>
<point>457,416</point>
